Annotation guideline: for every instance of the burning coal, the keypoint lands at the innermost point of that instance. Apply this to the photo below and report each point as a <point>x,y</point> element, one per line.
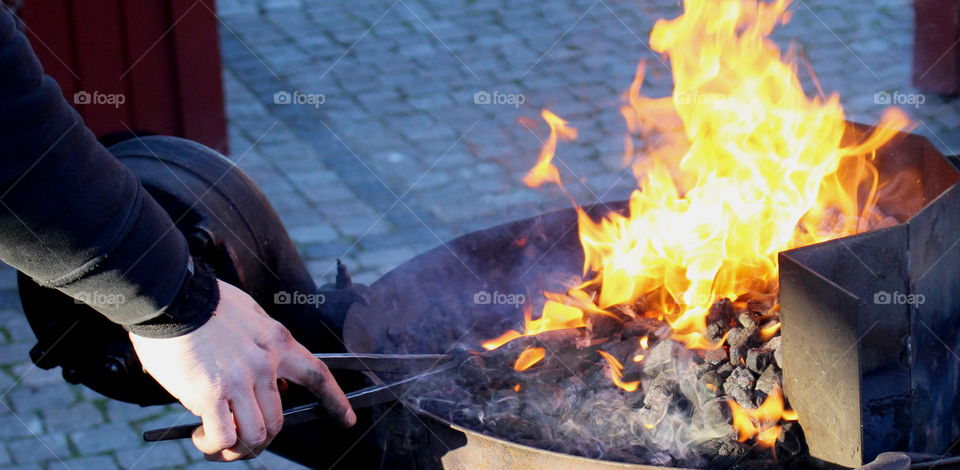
<point>666,350</point>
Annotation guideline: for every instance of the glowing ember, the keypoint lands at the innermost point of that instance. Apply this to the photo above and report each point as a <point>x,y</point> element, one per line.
<point>616,373</point>
<point>529,357</point>
<point>761,424</point>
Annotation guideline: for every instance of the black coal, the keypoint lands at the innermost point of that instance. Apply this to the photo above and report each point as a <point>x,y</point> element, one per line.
<point>679,415</point>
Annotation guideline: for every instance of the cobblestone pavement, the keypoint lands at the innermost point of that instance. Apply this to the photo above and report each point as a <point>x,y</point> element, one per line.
<point>399,158</point>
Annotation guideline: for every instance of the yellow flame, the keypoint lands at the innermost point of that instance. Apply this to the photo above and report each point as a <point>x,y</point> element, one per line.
<point>545,171</point>
<point>761,424</point>
<point>529,357</point>
<point>616,373</point>
<point>770,331</point>
<point>556,315</point>
<point>750,166</point>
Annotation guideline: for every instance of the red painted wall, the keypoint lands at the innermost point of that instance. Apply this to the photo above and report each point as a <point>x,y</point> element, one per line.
<point>936,52</point>
<point>162,56</point>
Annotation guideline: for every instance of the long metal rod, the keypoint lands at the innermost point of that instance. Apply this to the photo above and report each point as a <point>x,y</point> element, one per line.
<point>362,398</point>
<point>394,363</point>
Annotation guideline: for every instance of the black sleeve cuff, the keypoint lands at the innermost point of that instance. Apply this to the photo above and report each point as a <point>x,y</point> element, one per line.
<point>193,306</point>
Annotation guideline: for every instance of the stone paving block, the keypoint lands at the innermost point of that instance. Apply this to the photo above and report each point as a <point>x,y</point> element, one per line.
<point>105,437</point>
<point>17,326</point>
<point>97,462</point>
<point>39,448</point>
<point>28,399</point>
<point>314,233</point>
<point>269,461</point>
<point>388,259</point>
<point>8,278</point>
<point>146,458</point>
<point>73,418</point>
<point>15,353</point>
<point>19,425</point>
<point>118,411</point>
<point>33,376</point>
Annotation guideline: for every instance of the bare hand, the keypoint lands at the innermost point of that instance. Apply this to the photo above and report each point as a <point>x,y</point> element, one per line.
<point>226,373</point>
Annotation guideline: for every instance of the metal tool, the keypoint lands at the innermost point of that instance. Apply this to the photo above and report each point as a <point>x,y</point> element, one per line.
<point>370,396</point>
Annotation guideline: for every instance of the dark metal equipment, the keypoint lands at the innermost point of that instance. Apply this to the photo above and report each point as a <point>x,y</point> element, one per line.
<point>871,322</point>
<point>228,223</point>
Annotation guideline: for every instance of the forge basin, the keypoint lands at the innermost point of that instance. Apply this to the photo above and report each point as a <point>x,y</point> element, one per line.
<point>449,295</point>
<point>870,372</point>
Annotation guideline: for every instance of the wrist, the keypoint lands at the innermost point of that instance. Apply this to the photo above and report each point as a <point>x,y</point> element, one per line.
<point>193,306</point>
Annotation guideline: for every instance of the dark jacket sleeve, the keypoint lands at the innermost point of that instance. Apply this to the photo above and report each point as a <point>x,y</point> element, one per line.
<point>72,217</point>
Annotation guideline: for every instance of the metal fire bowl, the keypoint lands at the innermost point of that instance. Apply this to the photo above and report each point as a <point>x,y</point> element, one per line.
<point>427,305</point>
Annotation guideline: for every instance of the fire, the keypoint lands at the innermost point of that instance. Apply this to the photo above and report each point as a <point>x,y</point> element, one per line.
<point>751,168</point>
<point>762,424</point>
<point>738,164</point>
<point>529,358</point>
<point>644,344</point>
<point>616,373</point>
<point>768,332</point>
<point>545,171</point>
<point>556,316</point>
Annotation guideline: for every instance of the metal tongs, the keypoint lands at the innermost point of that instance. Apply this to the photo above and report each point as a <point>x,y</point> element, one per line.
<point>422,364</point>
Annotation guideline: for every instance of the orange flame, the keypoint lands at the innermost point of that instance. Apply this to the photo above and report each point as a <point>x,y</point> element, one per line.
<point>749,166</point>
<point>529,357</point>
<point>616,373</point>
<point>768,332</point>
<point>556,316</point>
<point>545,171</point>
<point>762,424</point>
